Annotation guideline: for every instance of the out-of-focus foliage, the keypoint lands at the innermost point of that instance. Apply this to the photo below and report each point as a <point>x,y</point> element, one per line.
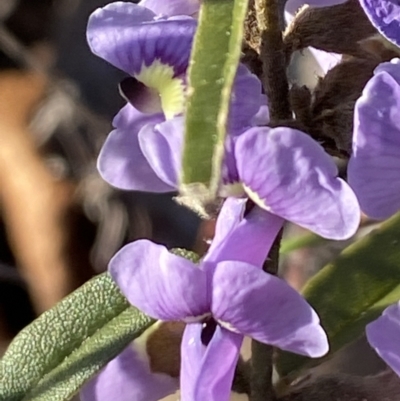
<point>353,290</point>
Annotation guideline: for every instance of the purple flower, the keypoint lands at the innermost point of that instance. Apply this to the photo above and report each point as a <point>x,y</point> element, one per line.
<point>129,378</point>
<point>222,299</point>
<point>172,7</point>
<point>385,16</point>
<point>154,50</point>
<point>282,170</point>
<point>374,168</point>
<point>384,336</point>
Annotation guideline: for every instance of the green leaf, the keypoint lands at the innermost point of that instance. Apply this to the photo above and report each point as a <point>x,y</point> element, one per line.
<point>353,290</point>
<point>51,358</point>
<point>215,57</point>
<point>307,240</point>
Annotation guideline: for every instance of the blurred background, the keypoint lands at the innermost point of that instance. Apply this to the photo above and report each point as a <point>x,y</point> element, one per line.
<point>59,222</point>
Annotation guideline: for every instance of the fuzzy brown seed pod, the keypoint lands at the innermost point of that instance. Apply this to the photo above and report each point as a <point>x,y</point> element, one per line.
<point>341,387</point>
<point>337,29</point>
<point>327,113</point>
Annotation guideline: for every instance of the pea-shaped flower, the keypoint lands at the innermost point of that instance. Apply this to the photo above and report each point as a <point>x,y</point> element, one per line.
<point>374,167</point>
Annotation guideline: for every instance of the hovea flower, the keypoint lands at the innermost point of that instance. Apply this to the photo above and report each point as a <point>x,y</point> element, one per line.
<point>172,7</point>
<point>154,49</point>
<point>385,16</point>
<point>222,299</point>
<point>282,170</point>
<point>374,168</point>
<point>129,377</point>
<point>384,336</point>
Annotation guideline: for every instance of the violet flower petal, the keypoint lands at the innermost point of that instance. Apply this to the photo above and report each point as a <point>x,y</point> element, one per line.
<point>121,162</point>
<point>229,217</point>
<point>374,168</point>
<point>261,118</point>
<point>247,300</point>
<point>255,234</point>
<point>246,100</point>
<point>192,353</point>
<point>286,172</point>
<point>392,67</point>
<point>128,378</point>
<point>163,285</point>
<point>172,7</point>
<point>128,36</point>
<point>218,366</point>
<point>385,17</point>
<point>162,147</point>
<point>384,335</point>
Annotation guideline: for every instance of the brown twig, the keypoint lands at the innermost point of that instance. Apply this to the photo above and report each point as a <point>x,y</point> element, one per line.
<point>275,83</point>
<point>274,76</point>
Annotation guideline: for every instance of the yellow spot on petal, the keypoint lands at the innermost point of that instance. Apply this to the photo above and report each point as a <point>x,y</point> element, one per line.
<point>256,198</point>
<point>160,77</point>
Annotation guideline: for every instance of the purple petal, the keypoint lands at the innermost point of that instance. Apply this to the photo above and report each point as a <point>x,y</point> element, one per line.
<point>128,37</point>
<point>172,7</point>
<point>266,308</point>
<point>261,118</point>
<point>384,335</point>
<point>162,146</point>
<point>287,173</point>
<point>127,378</point>
<point>385,16</point>
<point>229,218</point>
<point>163,285</point>
<point>246,100</point>
<point>250,241</point>
<point>391,67</point>
<point>374,168</point>
<point>121,162</point>
<point>192,352</point>
<point>218,368</point>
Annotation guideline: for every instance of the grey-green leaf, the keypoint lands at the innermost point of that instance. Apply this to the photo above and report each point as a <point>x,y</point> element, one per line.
<point>353,290</point>
<point>51,358</point>
<point>214,62</point>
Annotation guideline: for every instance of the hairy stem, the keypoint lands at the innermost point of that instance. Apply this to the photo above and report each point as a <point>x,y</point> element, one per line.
<point>274,78</point>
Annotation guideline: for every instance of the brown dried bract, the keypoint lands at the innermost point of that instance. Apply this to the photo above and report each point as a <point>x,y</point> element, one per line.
<point>337,29</point>
<point>341,387</point>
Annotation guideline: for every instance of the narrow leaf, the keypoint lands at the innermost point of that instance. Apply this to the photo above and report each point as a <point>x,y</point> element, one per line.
<point>51,358</point>
<point>214,62</point>
<point>353,290</point>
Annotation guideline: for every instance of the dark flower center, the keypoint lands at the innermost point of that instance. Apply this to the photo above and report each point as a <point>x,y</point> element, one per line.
<point>209,326</point>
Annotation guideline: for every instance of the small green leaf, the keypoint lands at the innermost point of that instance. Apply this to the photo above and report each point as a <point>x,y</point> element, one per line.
<point>353,290</point>
<point>214,62</point>
<point>51,358</point>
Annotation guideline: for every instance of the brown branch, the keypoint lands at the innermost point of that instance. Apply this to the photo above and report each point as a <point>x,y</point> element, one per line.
<point>274,76</point>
